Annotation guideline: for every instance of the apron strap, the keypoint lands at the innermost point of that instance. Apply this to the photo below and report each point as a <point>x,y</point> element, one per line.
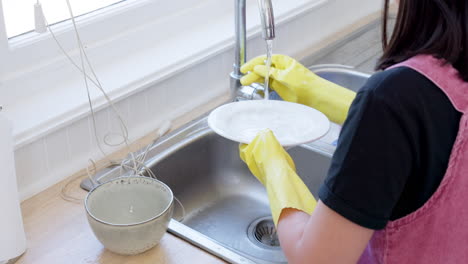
<point>443,75</point>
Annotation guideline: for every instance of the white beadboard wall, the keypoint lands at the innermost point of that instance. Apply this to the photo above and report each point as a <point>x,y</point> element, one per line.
<point>59,154</point>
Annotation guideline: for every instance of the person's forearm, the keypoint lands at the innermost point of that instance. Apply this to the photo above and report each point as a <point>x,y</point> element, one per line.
<point>292,218</point>
<point>323,237</point>
<point>291,226</point>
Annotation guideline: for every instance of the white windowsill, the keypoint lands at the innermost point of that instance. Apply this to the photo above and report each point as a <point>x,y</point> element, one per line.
<point>59,96</point>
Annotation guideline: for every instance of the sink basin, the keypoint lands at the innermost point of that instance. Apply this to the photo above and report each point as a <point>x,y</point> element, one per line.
<point>226,210</point>
<point>342,75</point>
<point>222,200</point>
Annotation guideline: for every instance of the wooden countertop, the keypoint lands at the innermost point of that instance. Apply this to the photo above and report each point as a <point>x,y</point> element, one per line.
<point>57,230</point>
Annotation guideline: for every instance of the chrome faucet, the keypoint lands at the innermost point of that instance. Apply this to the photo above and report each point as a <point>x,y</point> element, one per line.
<point>268,32</point>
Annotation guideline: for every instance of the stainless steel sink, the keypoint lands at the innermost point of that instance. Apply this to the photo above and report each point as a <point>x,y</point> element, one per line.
<point>222,200</point>
<point>226,208</point>
<point>345,76</point>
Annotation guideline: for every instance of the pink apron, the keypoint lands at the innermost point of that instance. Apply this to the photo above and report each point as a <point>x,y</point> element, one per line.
<point>438,231</point>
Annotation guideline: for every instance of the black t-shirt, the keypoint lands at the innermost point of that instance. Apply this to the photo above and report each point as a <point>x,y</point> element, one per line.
<point>393,149</point>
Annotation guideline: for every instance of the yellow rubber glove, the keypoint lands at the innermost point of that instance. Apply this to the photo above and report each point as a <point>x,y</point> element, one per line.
<point>295,83</point>
<point>275,169</point>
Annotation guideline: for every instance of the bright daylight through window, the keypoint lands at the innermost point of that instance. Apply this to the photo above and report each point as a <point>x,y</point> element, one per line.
<point>19,14</point>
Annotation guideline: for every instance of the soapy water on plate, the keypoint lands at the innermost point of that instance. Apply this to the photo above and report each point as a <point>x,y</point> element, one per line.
<point>253,119</point>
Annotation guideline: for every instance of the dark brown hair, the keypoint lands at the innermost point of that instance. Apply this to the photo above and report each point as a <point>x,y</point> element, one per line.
<point>436,27</point>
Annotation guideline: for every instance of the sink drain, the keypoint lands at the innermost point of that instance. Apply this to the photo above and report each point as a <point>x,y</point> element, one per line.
<point>263,233</point>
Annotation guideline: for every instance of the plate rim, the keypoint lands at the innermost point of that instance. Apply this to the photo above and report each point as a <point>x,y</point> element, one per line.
<point>214,113</point>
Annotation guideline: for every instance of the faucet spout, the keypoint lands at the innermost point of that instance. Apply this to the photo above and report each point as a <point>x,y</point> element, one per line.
<point>267,18</point>
<point>268,33</point>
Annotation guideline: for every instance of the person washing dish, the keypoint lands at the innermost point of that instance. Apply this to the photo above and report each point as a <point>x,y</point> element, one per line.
<point>397,187</point>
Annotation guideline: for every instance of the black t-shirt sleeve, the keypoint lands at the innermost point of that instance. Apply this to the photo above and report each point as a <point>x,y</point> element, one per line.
<point>373,159</point>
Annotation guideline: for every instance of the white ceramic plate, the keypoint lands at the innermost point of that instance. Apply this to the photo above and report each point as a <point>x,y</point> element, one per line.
<point>293,124</point>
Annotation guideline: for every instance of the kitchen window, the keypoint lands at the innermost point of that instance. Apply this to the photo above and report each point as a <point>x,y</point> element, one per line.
<point>19,15</point>
<point>113,28</point>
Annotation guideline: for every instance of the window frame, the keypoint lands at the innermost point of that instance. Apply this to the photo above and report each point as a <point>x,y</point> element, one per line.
<point>100,25</point>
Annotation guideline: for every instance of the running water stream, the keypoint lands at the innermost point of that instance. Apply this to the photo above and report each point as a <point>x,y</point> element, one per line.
<point>269,48</point>
<point>273,238</point>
